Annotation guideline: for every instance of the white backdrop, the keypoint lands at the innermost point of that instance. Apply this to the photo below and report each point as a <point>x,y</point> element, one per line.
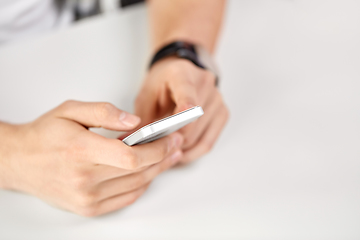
<point>287,165</point>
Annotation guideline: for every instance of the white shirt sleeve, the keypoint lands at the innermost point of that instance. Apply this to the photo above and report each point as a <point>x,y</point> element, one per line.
<point>21,19</point>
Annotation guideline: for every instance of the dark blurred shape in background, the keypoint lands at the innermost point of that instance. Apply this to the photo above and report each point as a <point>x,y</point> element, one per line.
<point>125,3</point>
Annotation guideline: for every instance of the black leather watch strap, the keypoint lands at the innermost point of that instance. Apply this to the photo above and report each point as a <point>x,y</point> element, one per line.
<point>179,49</point>
<point>184,50</point>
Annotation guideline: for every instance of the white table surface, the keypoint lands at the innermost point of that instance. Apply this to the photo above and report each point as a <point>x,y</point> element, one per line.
<point>287,165</point>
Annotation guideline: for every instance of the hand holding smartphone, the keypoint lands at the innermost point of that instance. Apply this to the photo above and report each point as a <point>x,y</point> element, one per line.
<point>163,127</point>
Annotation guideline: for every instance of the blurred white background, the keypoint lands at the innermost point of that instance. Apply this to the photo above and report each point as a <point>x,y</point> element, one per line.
<point>286,167</point>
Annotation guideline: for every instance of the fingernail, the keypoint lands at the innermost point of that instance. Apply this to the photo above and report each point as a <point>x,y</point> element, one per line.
<point>129,119</point>
<point>176,157</point>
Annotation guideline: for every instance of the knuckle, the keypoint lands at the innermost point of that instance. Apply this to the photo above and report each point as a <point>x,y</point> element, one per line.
<point>102,111</point>
<point>130,161</point>
<point>131,199</point>
<point>86,199</point>
<point>67,104</point>
<point>81,180</point>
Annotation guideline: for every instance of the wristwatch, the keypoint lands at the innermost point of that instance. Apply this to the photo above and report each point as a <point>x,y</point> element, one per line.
<point>192,52</point>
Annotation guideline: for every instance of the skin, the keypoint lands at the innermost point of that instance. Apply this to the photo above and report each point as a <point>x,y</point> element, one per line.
<point>173,85</point>
<point>57,158</point>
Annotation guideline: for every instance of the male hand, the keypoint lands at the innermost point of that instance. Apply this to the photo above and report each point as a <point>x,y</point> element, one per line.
<point>59,160</point>
<point>173,85</point>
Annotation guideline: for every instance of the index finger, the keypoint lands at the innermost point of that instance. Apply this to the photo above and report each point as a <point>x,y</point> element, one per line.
<point>113,152</point>
<point>154,152</point>
<point>184,93</point>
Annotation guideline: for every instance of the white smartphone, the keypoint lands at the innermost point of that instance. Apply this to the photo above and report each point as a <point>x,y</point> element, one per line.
<point>163,127</point>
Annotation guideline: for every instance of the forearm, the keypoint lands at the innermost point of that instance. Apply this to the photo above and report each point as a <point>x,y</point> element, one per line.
<point>197,21</point>
<point>7,144</point>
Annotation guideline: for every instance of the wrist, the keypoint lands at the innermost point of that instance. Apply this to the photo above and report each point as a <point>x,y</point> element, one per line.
<point>8,148</point>
<point>194,53</point>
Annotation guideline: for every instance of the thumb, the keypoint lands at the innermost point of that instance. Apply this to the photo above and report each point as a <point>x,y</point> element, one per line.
<point>98,114</point>
<point>184,94</point>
